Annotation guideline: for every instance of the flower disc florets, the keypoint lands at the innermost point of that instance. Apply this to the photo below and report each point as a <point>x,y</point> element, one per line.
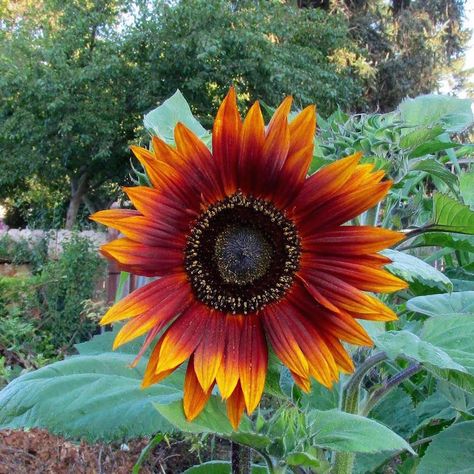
<point>241,254</point>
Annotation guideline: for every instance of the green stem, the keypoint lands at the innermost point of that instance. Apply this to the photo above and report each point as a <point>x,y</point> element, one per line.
<point>388,386</point>
<point>344,461</point>
<point>146,452</point>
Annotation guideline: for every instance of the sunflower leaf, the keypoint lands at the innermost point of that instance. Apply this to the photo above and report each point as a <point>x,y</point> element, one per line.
<point>162,120</point>
<point>452,451</point>
<point>405,343</point>
<point>455,336</point>
<point>221,467</point>
<point>452,216</point>
<point>340,431</point>
<point>422,277</point>
<point>450,304</point>
<point>95,397</point>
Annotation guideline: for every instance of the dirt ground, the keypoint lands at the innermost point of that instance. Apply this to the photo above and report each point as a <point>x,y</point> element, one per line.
<point>39,452</point>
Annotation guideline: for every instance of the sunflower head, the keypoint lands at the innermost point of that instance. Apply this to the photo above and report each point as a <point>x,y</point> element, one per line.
<point>249,252</point>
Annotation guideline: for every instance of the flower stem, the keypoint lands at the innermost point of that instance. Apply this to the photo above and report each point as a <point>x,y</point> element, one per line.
<point>388,386</point>
<point>240,458</point>
<point>344,461</point>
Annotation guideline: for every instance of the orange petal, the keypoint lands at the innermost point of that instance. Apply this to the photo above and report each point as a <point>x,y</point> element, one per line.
<point>360,276</point>
<point>208,355</point>
<point>151,377</point>
<point>199,163</point>
<point>154,232</point>
<point>302,382</point>
<point>166,153</point>
<point>342,358</point>
<point>276,146</point>
<point>349,298</point>
<point>235,407</point>
<point>182,337</point>
<point>111,216</point>
<point>154,318</point>
<point>251,149</point>
<point>322,365</point>
<point>280,335</point>
<point>253,361</point>
<point>144,259</point>
<point>152,203</point>
<point>195,398</point>
<point>226,141</point>
<point>147,297</point>
<point>316,294</point>
<point>324,184</point>
<point>346,206</point>
<point>353,240</point>
<point>302,130</point>
<point>228,373</point>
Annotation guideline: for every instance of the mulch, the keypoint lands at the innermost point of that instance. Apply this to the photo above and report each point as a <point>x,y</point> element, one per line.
<point>39,452</point>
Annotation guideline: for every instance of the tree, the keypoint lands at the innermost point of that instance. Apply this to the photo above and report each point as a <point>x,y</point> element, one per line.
<point>76,77</point>
<point>412,44</point>
<point>66,111</point>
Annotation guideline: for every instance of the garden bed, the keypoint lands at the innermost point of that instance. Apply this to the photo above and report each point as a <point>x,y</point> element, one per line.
<point>38,451</point>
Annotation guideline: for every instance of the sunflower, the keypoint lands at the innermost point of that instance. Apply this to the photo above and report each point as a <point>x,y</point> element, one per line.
<point>249,252</point>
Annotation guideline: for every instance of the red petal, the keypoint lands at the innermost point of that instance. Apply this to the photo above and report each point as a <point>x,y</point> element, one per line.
<point>208,355</point>
<point>182,337</point>
<point>147,297</point>
<point>351,240</point>
<point>280,335</point>
<point>143,259</point>
<point>235,407</point>
<point>226,141</point>
<point>195,398</point>
<point>251,149</point>
<point>228,373</point>
<point>253,361</point>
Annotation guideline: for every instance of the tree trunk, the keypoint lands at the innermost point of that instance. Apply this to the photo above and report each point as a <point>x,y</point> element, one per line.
<point>78,190</point>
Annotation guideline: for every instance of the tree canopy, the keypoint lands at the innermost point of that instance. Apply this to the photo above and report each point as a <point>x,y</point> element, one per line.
<point>76,77</point>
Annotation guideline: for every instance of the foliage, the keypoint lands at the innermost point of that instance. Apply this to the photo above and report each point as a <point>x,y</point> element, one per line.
<point>34,252</point>
<point>43,314</point>
<point>413,43</point>
<point>66,284</point>
<point>421,364</point>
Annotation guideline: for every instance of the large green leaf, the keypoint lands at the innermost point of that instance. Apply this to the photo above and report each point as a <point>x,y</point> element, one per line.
<point>466,184</point>
<point>451,451</point>
<point>213,419</point>
<point>431,148</point>
<point>454,114</point>
<point>452,216</point>
<point>445,240</point>
<point>221,467</point>
<point>162,120</point>
<point>455,336</point>
<point>88,396</point>
<point>405,343</point>
<point>396,410</point>
<point>434,168</point>
<point>420,136</point>
<point>340,431</point>
<point>451,304</point>
<point>422,277</point>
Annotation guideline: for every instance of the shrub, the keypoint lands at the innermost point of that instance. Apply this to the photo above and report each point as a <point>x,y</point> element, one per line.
<point>66,284</point>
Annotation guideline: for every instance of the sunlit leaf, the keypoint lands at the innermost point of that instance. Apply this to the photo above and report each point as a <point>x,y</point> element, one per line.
<point>450,215</point>
<point>162,120</point>
<point>452,304</point>
<point>422,277</point>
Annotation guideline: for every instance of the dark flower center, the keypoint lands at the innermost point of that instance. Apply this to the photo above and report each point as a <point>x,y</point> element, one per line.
<point>241,254</point>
